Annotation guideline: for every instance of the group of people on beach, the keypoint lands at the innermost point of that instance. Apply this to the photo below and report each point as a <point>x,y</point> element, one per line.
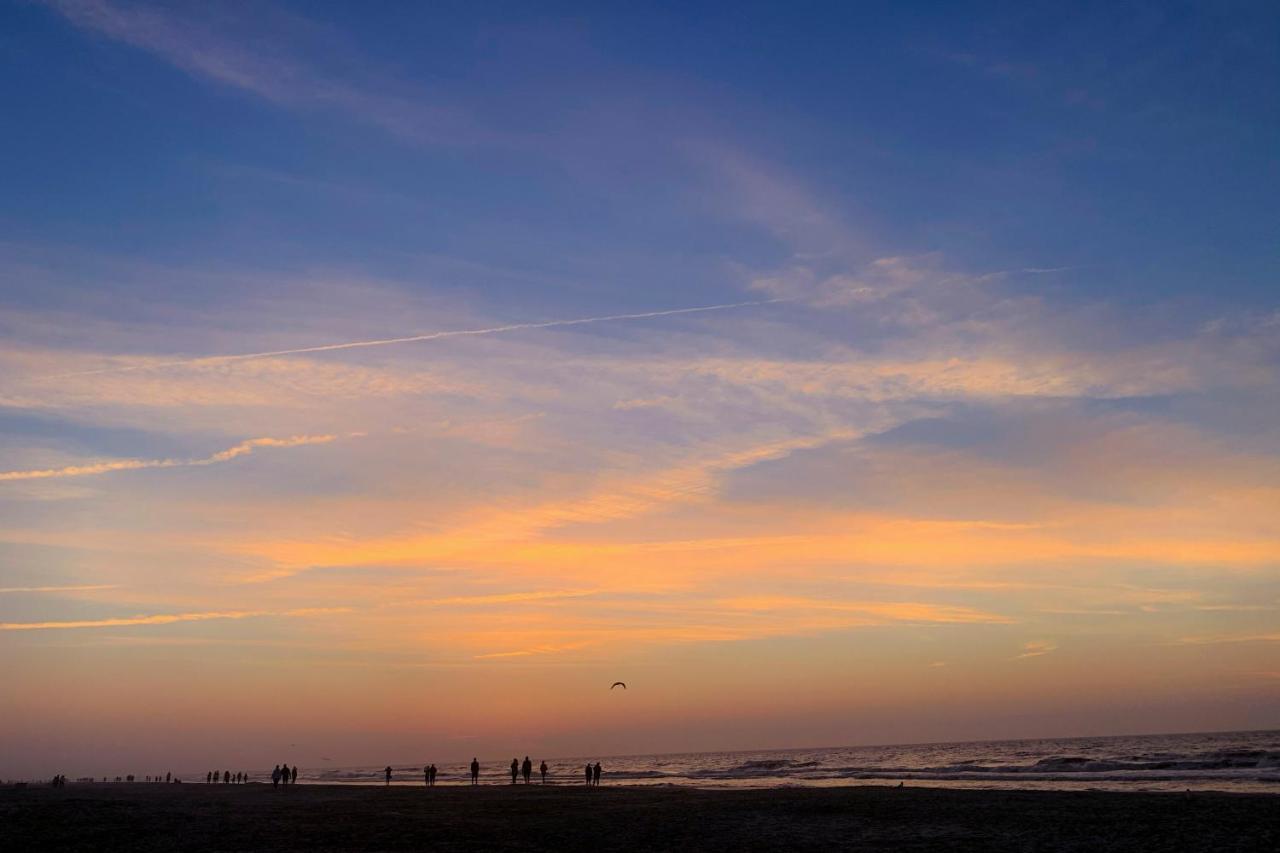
<point>527,770</point>
<point>283,775</point>
<point>227,778</point>
<point>518,769</point>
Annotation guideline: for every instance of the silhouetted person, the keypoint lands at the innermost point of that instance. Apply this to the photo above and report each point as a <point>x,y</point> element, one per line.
<point>588,771</point>
<point>543,769</point>
<point>166,777</point>
<point>595,775</point>
<point>526,769</point>
<point>433,775</point>
<point>226,777</point>
<point>426,776</point>
<point>275,776</point>
<point>388,772</point>
<point>475,772</point>
<point>515,770</point>
<point>208,778</point>
<point>293,775</point>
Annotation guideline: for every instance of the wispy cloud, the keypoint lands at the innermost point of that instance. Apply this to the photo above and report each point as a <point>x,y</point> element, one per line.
<point>1036,648</point>
<point>166,619</point>
<point>1217,639</point>
<point>500,598</point>
<point>271,62</point>
<point>244,448</point>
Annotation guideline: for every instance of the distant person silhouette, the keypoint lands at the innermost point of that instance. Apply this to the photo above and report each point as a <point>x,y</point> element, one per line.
<point>595,775</point>
<point>433,775</point>
<point>475,772</point>
<point>293,775</point>
<point>426,776</point>
<point>208,778</point>
<point>515,770</point>
<point>226,777</point>
<point>526,769</point>
<point>589,772</point>
<point>275,776</point>
<point>543,769</point>
<point>388,772</point>
<point>167,776</point>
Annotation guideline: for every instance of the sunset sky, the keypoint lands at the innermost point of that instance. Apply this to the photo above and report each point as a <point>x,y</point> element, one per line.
<point>977,435</point>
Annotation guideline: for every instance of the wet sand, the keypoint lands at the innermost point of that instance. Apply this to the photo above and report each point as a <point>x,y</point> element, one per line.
<point>326,818</point>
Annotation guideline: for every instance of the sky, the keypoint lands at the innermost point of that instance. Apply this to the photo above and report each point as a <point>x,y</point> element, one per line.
<point>381,383</point>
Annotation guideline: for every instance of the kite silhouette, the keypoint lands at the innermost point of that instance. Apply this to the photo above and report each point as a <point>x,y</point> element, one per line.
<point>621,684</point>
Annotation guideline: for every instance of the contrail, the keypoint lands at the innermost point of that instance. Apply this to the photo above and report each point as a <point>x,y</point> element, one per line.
<point>429,336</point>
<point>242,449</point>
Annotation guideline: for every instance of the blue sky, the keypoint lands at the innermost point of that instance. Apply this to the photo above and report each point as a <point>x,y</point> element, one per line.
<point>987,409</point>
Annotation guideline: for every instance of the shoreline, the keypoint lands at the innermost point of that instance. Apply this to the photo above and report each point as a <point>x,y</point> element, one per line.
<point>254,816</point>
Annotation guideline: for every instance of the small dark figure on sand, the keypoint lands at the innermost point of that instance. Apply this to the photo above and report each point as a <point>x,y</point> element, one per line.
<point>275,776</point>
<point>475,772</point>
<point>526,769</point>
<point>426,776</point>
<point>293,775</point>
<point>515,770</point>
<point>595,775</point>
<point>433,775</point>
<point>208,778</point>
<point>543,770</point>
<point>589,771</point>
<point>167,777</point>
<point>388,773</point>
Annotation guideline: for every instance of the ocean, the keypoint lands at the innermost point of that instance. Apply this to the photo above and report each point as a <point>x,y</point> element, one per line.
<point>1224,761</point>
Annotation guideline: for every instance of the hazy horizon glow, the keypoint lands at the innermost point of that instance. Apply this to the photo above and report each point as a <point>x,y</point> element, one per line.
<point>383,385</point>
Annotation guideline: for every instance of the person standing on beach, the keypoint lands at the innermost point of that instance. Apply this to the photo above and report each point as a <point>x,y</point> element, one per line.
<point>526,769</point>
<point>589,773</point>
<point>475,772</point>
<point>595,775</point>
<point>275,776</point>
<point>388,772</point>
<point>433,775</point>
<point>426,776</point>
<point>208,778</point>
<point>515,770</point>
<point>543,769</point>
<point>293,775</point>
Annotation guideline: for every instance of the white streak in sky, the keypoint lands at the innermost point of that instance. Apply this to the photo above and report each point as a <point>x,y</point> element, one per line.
<point>242,449</point>
<point>80,588</point>
<point>429,336</point>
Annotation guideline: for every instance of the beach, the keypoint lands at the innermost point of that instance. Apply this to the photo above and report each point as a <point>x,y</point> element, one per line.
<point>496,817</point>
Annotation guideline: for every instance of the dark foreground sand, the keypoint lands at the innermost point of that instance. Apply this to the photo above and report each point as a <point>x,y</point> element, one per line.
<point>315,818</point>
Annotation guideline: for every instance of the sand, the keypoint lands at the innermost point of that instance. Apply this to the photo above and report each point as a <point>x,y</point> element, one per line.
<point>321,817</point>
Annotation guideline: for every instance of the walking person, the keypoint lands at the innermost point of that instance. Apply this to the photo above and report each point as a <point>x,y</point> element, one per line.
<point>275,776</point>
<point>293,775</point>
<point>475,772</point>
<point>433,775</point>
<point>426,776</point>
<point>543,769</point>
<point>588,771</point>
<point>526,769</point>
<point>595,775</point>
<point>388,773</point>
<point>515,770</point>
